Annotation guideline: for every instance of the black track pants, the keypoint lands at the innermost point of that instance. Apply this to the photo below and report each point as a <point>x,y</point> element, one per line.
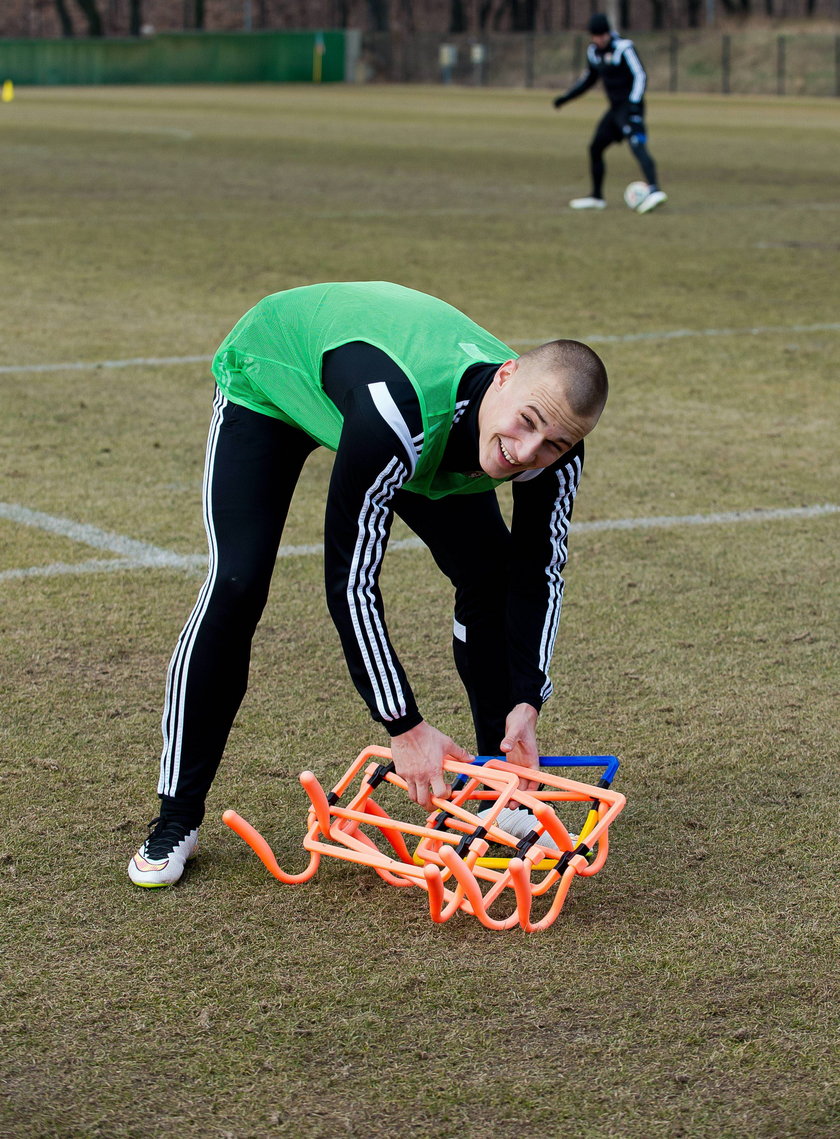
<point>252,467</point>
<point>471,544</point>
<point>607,132</point>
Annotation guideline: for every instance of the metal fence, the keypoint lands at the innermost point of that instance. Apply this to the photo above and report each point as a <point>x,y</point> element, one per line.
<point>749,63</point>
<point>208,57</point>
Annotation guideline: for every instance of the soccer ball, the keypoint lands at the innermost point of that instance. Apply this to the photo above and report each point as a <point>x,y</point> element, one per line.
<point>635,194</point>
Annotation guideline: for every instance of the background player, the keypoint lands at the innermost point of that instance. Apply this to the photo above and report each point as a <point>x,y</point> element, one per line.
<point>614,60</point>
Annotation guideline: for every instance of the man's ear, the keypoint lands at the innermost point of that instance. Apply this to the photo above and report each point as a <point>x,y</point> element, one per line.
<point>505,372</point>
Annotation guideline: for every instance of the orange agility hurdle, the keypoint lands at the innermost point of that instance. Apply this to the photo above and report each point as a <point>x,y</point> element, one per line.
<point>450,859</point>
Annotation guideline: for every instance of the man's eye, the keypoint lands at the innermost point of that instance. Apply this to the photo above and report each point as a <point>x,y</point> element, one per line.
<point>530,422</point>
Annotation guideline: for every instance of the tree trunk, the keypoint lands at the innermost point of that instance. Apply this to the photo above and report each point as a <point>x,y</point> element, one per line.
<point>408,16</point>
<point>523,15</point>
<point>457,16</point>
<point>92,15</point>
<point>135,17</point>
<point>64,17</point>
<point>379,15</point>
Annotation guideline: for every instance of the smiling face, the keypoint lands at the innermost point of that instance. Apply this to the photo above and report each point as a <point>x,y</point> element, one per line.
<point>526,420</point>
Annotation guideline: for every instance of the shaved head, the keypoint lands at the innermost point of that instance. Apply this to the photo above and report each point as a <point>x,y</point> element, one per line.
<point>580,371</point>
<point>539,406</point>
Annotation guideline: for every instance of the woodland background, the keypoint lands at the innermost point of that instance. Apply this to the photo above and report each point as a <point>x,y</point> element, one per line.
<point>52,18</point>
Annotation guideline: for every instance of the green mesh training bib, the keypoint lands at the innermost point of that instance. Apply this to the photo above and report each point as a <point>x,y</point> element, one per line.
<point>271,362</point>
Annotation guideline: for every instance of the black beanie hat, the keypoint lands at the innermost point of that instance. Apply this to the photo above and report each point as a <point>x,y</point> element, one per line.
<point>598,25</point>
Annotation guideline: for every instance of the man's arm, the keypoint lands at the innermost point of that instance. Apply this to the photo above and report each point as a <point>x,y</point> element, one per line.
<point>374,458</point>
<point>587,79</point>
<point>542,515</point>
<point>638,75</point>
<point>380,442</point>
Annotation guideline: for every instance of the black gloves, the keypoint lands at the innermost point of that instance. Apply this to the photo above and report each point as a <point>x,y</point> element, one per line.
<point>559,101</point>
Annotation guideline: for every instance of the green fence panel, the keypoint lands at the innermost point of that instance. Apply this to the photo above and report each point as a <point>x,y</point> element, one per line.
<point>202,57</point>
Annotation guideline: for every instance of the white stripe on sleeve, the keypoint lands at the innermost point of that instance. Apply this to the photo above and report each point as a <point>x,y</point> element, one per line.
<point>366,619</point>
<point>568,478</point>
<point>384,403</point>
<point>637,92</point>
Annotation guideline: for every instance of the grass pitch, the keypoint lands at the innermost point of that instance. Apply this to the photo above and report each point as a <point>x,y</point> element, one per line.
<point>687,989</point>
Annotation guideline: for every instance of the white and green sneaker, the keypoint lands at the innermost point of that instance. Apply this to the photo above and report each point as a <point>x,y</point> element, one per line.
<point>519,822</point>
<point>161,859</point>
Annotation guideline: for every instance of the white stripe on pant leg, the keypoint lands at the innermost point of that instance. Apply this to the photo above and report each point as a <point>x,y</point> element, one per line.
<point>459,631</point>
<point>201,606</point>
<point>176,680</point>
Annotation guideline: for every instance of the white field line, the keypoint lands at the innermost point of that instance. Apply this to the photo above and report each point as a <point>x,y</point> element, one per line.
<point>94,365</point>
<point>139,552</point>
<point>622,338</point>
<point>142,555</point>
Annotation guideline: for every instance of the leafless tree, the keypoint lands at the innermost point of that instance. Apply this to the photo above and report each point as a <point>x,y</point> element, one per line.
<point>92,16</point>
<point>379,15</point>
<point>135,17</point>
<point>693,12</point>
<point>658,15</point>
<point>737,7</point>
<point>66,22</point>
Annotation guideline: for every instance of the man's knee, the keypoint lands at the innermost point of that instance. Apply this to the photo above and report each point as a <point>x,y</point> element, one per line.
<point>239,595</point>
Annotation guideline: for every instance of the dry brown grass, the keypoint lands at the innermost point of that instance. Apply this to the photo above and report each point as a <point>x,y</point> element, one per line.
<point>686,990</point>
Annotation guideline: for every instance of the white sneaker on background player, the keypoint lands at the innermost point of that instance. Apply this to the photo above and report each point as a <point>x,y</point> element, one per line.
<point>655,198</point>
<point>588,204</point>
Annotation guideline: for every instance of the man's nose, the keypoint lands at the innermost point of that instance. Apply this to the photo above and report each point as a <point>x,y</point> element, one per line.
<point>529,449</point>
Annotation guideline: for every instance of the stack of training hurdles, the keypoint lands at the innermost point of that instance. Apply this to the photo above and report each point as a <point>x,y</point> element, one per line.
<point>451,860</point>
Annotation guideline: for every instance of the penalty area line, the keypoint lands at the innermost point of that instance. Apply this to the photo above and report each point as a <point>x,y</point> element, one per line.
<point>133,554</point>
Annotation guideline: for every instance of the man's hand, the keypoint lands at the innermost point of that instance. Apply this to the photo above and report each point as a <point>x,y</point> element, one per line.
<point>559,101</point>
<point>418,758</point>
<point>520,742</point>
